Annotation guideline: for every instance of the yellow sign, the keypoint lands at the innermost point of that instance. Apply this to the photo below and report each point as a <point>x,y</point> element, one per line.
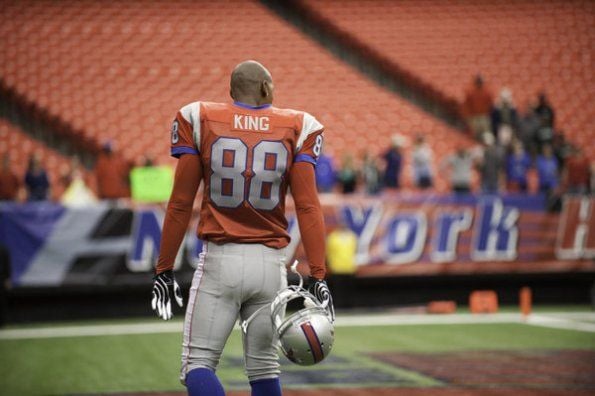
<point>152,183</point>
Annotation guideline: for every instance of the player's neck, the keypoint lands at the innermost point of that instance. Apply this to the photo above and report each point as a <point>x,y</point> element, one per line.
<point>250,101</point>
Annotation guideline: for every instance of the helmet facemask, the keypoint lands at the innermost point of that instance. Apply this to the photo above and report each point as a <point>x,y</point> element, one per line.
<point>305,336</point>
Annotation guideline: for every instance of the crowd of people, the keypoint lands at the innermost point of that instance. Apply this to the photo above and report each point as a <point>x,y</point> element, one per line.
<point>109,180</point>
<point>510,145</point>
<point>514,142</point>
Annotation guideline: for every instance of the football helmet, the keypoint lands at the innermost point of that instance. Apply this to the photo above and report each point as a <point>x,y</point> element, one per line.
<point>305,336</point>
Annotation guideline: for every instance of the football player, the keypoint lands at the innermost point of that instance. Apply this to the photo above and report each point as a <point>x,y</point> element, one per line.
<point>247,153</point>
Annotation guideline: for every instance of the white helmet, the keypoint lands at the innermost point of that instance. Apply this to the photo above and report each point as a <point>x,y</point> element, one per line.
<point>305,336</point>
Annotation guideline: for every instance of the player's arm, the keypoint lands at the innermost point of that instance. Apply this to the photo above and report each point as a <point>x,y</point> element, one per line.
<point>302,181</point>
<point>311,223</point>
<point>177,217</point>
<point>186,182</point>
<point>179,210</point>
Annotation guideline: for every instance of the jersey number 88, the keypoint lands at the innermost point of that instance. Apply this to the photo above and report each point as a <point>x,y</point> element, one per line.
<point>229,163</point>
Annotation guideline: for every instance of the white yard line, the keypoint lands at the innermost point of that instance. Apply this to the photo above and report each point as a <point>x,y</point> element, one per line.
<point>92,330</point>
<point>403,320</point>
<point>560,323</point>
<point>580,316</point>
<point>554,320</point>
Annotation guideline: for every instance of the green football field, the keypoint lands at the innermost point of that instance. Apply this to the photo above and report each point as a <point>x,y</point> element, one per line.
<point>387,350</point>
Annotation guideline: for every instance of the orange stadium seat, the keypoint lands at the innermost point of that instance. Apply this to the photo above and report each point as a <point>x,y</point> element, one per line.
<point>119,71</point>
<point>20,146</point>
<point>524,45</point>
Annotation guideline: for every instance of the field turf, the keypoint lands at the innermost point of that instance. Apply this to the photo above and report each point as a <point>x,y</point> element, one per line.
<point>150,362</point>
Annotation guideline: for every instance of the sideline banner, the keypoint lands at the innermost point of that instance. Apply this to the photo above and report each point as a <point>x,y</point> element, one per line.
<point>447,234</point>
<point>398,235</point>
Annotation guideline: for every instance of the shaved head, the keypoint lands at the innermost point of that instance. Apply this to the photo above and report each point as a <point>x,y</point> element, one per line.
<point>251,83</point>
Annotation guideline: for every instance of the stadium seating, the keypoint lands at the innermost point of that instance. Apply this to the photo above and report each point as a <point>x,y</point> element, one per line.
<point>526,46</point>
<point>21,146</point>
<point>119,71</point>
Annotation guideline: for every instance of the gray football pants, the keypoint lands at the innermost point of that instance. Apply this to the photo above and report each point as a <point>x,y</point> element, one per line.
<point>233,280</point>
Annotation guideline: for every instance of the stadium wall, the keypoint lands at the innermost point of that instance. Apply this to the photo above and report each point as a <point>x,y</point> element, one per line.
<point>412,248</point>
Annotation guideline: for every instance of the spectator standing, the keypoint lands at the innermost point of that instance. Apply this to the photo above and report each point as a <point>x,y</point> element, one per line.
<point>505,136</point>
<point>371,174</point>
<point>547,170</point>
<point>36,180</point>
<point>111,173</point>
<point>561,148</point>
<point>546,116</point>
<point>477,106</point>
<point>9,182</point>
<point>348,175</point>
<point>528,127</point>
<point>325,173</point>
<point>491,164</point>
<point>148,161</point>
<point>392,162</point>
<point>422,163</point>
<point>341,248</point>
<point>518,163</point>
<point>504,112</point>
<point>76,192</point>
<point>544,111</point>
<point>460,165</point>
<point>577,173</point>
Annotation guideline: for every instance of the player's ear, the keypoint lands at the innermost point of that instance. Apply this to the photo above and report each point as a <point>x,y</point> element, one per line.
<point>264,89</point>
<point>231,94</point>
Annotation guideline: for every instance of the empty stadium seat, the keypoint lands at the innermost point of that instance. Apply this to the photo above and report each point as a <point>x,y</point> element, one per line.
<point>20,146</point>
<point>524,45</point>
<point>119,71</point>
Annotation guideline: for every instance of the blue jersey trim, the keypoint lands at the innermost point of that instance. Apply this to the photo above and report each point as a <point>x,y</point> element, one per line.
<point>178,151</point>
<point>247,106</point>
<point>305,158</point>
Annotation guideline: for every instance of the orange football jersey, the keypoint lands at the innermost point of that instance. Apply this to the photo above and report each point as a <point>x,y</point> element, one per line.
<point>246,153</point>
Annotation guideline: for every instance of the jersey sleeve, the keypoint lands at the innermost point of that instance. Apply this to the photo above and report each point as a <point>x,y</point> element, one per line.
<point>309,144</point>
<point>185,131</point>
<point>179,210</point>
<point>302,181</point>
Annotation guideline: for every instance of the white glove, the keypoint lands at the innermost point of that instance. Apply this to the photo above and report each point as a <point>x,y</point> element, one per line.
<point>164,286</point>
<point>320,290</point>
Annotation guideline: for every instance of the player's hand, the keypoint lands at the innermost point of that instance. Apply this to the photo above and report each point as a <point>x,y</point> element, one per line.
<point>320,290</point>
<point>164,286</point>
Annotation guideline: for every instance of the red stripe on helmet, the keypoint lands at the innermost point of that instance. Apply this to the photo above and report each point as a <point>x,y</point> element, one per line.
<point>313,341</point>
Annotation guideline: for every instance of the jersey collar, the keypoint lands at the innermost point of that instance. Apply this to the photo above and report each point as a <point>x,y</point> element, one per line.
<point>247,106</point>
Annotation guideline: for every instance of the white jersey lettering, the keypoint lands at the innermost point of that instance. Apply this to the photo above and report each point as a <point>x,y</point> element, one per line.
<point>251,123</point>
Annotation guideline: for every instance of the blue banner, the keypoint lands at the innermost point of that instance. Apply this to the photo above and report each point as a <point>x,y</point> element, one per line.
<point>398,235</point>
